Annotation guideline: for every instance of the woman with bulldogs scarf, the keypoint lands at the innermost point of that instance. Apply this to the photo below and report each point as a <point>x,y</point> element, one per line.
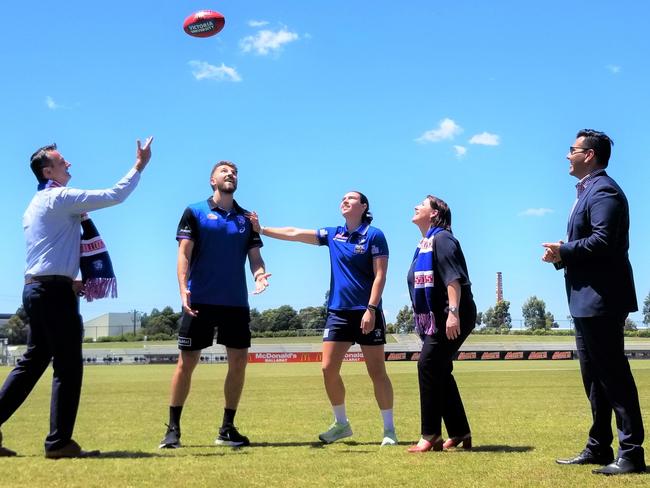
<point>444,314</point>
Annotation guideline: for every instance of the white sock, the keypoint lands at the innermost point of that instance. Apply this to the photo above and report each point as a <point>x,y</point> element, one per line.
<point>387,416</point>
<point>339,413</point>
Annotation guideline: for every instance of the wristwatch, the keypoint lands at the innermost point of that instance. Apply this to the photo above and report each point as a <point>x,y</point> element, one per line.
<point>452,309</point>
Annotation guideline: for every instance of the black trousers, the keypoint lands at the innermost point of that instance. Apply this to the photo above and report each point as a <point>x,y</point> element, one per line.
<point>55,334</point>
<point>610,386</point>
<point>439,396</point>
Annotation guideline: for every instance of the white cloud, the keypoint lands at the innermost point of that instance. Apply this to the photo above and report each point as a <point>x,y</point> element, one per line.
<point>613,68</point>
<point>485,139</point>
<point>258,23</point>
<point>447,129</point>
<point>535,212</point>
<point>202,70</point>
<point>51,104</point>
<point>460,151</point>
<point>267,41</point>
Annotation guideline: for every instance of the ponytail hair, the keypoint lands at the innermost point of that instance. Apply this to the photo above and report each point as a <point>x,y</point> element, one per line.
<point>366,218</point>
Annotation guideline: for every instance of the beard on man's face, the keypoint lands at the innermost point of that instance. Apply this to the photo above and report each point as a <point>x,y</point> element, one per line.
<point>227,186</point>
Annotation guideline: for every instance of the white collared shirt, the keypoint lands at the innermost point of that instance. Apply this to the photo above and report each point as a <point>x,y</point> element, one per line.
<point>52,224</point>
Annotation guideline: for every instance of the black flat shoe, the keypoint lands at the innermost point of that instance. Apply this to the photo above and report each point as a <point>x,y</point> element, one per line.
<point>586,457</point>
<point>620,466</point>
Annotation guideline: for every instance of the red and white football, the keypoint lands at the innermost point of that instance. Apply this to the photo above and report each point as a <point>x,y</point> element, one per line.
<point>204,23</point>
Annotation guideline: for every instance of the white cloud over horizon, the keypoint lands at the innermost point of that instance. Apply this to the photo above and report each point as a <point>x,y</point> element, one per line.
<point>258,23</point>
<point>485,139</point>
<point>267,41</point>
<point>447,129</point>
<point>202,70</point>
<point>535,212</point>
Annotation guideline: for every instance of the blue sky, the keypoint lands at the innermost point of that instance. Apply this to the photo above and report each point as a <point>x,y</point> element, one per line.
<point>475,102</point>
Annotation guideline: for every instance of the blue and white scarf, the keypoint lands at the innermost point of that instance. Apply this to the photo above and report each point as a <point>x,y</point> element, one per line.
<point>97,273</point>
<point>425,322</point>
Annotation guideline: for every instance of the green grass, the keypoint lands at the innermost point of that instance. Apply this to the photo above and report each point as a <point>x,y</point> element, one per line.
<point>523,415</point>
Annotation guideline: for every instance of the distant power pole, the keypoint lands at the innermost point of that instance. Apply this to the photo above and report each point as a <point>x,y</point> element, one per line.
<point>499,287</point>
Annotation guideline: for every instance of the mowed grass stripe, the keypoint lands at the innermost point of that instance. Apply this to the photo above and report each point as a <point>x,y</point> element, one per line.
<point>523,414</point>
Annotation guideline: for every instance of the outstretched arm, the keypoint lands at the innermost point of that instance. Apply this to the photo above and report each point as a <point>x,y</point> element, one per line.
<point>308,236</point>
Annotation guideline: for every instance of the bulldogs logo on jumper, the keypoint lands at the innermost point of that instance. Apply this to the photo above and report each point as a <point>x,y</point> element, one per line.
<point>359,249</point>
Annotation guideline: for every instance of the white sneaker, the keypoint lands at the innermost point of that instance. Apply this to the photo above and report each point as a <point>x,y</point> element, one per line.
<point>335,432</point>
<point>390,439</point>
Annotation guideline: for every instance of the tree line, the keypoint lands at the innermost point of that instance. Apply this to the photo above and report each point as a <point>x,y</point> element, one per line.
<point>285,320</point>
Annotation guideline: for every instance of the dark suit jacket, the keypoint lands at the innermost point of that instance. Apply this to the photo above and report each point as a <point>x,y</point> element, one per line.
<point>598,273</point>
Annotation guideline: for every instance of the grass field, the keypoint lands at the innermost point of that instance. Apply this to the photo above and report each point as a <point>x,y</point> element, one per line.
<point>523,414</point>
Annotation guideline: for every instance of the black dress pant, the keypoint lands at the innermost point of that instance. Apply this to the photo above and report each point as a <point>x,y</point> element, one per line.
<point>439,396</point>
<point>55,334</point>
<point>610,386</point>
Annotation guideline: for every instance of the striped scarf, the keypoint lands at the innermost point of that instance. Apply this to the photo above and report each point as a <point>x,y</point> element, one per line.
<point>97,273</point>
<point>425,322</point>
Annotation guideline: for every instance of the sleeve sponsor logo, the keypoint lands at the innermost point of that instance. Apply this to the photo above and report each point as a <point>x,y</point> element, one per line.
<point>184,341</point>
<point>322,232</point>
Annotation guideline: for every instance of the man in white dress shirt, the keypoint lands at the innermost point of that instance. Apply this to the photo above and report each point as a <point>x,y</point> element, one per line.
<point>52,224</point>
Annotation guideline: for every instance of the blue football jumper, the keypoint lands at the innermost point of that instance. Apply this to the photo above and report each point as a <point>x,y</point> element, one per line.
<point>351,256</point>
<point>221,243</point>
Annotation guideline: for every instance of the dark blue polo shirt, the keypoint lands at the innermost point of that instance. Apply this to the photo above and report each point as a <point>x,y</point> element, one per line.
<point>351,256</point>
<point>221,243</point>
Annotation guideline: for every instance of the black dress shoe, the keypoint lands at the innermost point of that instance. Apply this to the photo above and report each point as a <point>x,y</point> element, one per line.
<point>4,452</point>
<point>621,466</point>
<point>586,457</point>
<point>70,450</point>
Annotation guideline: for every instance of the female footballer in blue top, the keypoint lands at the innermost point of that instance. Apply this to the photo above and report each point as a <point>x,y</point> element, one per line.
<point>359,260</point>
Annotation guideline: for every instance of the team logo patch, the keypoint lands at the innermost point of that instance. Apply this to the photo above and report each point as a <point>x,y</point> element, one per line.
<point>374,250</point>
<point>359,249</point>
<point>185,341</point>
<point>98,265</point>
<point>212,216</point>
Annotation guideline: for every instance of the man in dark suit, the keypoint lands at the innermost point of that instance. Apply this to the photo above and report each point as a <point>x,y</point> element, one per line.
<point>600,290</point>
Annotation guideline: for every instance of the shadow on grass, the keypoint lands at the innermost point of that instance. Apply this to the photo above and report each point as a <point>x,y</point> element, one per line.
<point>127,455</point>
<point>500,448</point>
